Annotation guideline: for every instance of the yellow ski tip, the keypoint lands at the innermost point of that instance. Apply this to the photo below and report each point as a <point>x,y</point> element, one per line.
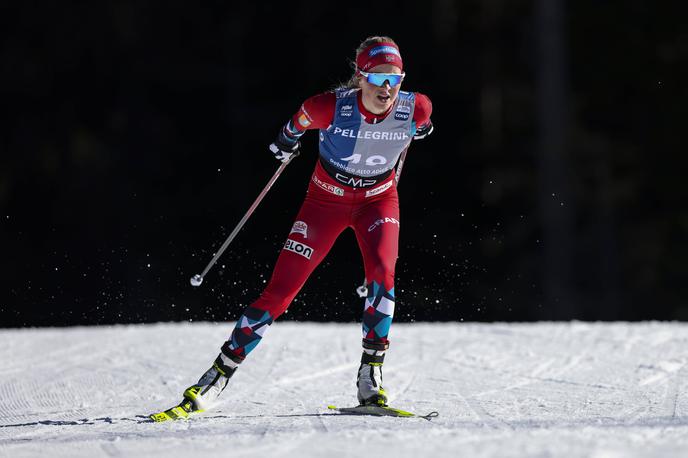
<point>160,417</point>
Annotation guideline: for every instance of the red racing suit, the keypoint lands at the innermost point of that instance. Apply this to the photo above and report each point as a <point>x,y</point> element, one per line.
<point>354,186</point>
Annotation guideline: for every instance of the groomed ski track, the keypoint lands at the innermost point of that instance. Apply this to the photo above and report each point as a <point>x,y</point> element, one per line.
<point>502,390</point>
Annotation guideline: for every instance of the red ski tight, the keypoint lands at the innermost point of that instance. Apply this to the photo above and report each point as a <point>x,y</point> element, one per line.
<point>330,208</point>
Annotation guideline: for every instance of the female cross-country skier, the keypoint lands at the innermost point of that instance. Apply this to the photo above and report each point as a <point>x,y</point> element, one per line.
<point>364,127</point>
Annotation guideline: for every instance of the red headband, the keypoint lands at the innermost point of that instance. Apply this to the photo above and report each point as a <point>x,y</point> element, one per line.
<point>379,53</point>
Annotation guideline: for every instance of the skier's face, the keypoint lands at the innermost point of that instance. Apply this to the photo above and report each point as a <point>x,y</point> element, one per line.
<point>378,99</point>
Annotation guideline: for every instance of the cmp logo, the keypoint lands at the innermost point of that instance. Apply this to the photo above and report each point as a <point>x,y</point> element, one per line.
<point>299,248</point>
<point>356,182</point>
<point>300,227</point>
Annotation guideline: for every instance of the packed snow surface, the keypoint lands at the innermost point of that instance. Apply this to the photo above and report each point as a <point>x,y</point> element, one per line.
<point>502,390</point>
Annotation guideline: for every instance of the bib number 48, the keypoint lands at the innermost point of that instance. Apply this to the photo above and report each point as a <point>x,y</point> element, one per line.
<point>372,160</point>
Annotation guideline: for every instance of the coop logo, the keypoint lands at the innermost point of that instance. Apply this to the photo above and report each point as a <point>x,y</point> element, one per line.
<point>382,221</point>
<point>346,110</point>
<point>402,112</point>
<point>300,227</point>
<point>299,248</point>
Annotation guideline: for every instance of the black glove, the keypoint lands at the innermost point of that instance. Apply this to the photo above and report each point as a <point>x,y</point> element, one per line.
<point>423,131</point>
<point>283,150</point>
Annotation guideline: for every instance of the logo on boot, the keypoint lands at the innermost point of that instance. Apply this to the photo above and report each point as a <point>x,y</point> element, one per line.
<point>300,227</point>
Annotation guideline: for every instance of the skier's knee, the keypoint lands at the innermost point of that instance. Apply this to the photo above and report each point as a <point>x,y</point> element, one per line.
<point>383,274</point>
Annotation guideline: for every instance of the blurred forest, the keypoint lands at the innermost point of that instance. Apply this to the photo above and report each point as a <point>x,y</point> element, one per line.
<point>135,138</point>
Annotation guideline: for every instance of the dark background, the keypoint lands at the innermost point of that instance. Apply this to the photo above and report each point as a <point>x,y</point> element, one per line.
<point>135,137</point>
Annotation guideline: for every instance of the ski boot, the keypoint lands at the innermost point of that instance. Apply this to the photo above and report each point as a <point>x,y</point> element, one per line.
<point>369,380</point>
<point>202,395</point>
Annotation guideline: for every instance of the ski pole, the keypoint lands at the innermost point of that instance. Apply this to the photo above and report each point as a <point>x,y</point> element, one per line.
<point>363,289</point>
<point>197,279</point>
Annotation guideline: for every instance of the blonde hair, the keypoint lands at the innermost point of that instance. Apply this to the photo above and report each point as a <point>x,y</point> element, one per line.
<point>352,82</point>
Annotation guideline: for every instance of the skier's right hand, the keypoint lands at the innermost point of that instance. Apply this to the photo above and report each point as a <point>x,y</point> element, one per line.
<point>283,150</point>
<point>423,131</point>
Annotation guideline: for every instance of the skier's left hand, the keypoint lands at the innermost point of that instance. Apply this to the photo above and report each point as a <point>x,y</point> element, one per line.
<point>282,150</point>
<point>423,131</point>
